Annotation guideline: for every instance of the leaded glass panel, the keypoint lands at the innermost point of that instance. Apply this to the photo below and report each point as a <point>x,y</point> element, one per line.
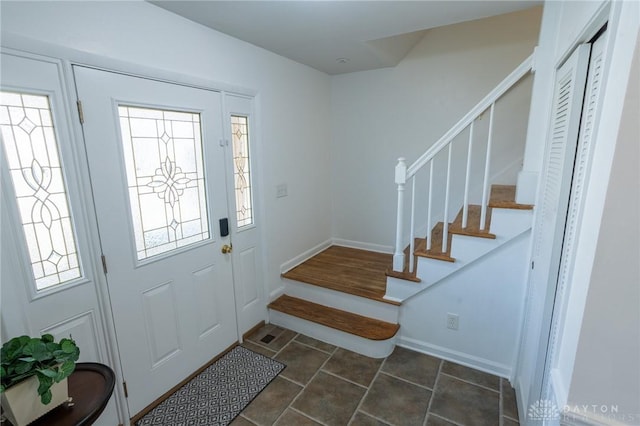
<point>34,164</point>
<point>241,170</point>
<point>165,178</point>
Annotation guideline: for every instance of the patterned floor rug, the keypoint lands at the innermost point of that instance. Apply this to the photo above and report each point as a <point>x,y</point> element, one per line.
<point>218,394</point>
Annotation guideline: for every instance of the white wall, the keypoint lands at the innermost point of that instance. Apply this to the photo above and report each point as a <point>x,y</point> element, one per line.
<point>292,99</point>
<point>380,115</point>
<point>489,305</point>
<point>607,371</point>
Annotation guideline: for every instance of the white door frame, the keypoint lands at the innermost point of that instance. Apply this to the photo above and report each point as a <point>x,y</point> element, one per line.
<point>68,57</point>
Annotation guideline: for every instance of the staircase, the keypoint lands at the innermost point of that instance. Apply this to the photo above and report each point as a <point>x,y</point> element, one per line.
<point>353,298</point>
<point>346,288</point>
<point>505,220</point>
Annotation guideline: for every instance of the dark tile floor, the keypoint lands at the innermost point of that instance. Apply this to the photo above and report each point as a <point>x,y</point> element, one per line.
<point>326,385</point>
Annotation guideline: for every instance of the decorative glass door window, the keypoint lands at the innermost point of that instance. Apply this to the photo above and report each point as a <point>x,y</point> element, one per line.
<point>241,172</point>
<point>32,154</point>
<point>165,177</point>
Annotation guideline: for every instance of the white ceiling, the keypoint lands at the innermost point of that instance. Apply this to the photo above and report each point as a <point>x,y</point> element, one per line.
<point>366,34</point>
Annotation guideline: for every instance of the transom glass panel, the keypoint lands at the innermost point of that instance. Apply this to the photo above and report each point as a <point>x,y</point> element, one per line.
<point>32,154</point>
<point>241,172</point>
<point>165,177</point>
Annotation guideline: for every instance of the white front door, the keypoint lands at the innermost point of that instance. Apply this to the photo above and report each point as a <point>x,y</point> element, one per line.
<point>158,177</point>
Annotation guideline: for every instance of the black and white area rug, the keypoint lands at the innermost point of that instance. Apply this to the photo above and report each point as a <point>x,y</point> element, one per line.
<point>218,394</point>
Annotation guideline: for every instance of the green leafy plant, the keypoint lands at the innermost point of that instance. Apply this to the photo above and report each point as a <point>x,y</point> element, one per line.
<point>24,356</point>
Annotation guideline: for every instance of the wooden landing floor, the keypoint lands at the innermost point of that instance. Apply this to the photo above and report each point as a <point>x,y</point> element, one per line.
<point>348,270</point>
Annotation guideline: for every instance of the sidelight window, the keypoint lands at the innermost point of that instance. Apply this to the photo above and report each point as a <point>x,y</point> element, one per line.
<point>241,170</point>
<point>33,158</point>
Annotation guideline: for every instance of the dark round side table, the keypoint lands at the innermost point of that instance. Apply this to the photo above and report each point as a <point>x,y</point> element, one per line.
<point>90,386</point>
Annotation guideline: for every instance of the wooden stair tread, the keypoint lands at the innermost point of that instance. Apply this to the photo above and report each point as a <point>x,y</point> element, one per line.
<point>504,197</point>
<point>473,223</point>
<point>348,270</point>
<point>358,325</point>
<point>420,245</point>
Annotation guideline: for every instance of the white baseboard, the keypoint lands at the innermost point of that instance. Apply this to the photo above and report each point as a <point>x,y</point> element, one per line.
<point>472,361</point>
<point>509,173</point>
<point>362,246</point>
<point>276,293</point>
<point>522,398</point>
<point>290,264</point>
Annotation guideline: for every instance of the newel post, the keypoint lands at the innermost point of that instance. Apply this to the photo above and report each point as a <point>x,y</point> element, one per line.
<point>401,179</point>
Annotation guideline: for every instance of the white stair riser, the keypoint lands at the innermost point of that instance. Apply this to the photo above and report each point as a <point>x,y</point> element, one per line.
<point>431,271</point>
<point>466,249</point>
<point>370,348</point>
<point>508,223</point>
<point>343,301</point>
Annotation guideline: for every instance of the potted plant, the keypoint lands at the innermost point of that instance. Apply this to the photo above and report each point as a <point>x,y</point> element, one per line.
<point>33,376</point>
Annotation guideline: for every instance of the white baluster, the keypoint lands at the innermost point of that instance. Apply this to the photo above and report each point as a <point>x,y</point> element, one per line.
<point>401,179</point>
<point>465,202</point>
<point>487,163</point>
<point>445,230</point>
<point>412,227</point>
<point>429,206</point>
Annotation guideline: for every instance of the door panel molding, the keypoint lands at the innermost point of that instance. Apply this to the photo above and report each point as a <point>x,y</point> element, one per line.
<point>84,325</point>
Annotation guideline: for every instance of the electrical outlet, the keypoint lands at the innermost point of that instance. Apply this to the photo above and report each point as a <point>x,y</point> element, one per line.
<point>281,190</point>
<point>452,321</point>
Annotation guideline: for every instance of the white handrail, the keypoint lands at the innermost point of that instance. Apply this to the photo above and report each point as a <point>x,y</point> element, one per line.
<point>485,103</point>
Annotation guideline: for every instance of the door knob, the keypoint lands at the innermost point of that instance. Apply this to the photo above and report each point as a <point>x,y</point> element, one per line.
<point>226,249</point>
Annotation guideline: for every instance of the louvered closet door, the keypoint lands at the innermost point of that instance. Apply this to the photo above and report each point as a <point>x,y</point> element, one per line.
<point>559,160</point>
<point>567,108</point>
<point>576,202</point>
